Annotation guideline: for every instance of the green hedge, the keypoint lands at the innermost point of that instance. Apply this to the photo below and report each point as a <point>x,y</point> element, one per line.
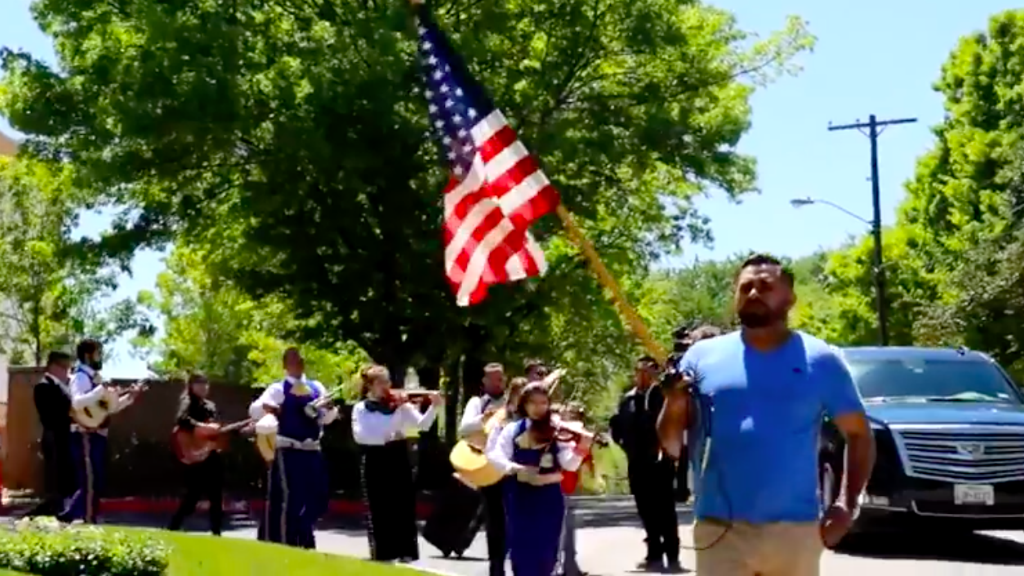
<point>44,548</point>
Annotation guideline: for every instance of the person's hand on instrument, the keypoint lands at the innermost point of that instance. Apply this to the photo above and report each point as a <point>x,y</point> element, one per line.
<point>436,399</point>
<point>584,444</point>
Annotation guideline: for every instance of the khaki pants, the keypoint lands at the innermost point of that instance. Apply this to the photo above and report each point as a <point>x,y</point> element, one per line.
<point>781,549</point>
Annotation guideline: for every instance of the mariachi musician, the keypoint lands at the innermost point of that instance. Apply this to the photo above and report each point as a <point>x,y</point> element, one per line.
<point>533,453</point>
<point>379,425</point>
<point>480,412</point>
<point>53,404</point>
<point>88,444</point>
<point>204,479</point>
<point>298,493</point>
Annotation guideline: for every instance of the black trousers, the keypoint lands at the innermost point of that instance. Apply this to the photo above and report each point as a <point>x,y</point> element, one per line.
<point>494,515</point>
<point>682,477</point>
<point>651,483</point>
<point>58,473</point>
<point>390,496</point>
<point>203,480</point>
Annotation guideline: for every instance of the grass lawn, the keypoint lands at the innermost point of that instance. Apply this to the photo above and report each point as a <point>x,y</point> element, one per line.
<point>196,555</point>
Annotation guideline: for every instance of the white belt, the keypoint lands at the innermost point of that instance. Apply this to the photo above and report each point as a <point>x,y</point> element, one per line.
<point>100,431</point>
<point>310,445</point>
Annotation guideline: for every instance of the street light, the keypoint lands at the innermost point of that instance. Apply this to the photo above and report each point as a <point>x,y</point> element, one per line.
<point>878,272</point>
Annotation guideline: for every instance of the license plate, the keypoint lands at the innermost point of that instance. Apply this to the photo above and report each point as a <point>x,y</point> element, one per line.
<point>974,494</point>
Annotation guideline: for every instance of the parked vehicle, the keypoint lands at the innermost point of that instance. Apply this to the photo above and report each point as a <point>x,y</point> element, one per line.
<point>949,426</point>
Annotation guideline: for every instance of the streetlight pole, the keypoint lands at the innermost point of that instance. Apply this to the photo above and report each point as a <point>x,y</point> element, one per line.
<point>873,125</point>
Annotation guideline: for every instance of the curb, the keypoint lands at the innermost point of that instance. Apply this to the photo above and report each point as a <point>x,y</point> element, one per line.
<point>143,506</point>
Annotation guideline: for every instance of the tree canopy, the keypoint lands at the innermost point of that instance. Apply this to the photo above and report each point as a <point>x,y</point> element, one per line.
<point>288,140</point>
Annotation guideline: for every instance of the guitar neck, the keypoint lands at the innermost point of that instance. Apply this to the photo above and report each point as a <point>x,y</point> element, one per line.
<point>235,426</point>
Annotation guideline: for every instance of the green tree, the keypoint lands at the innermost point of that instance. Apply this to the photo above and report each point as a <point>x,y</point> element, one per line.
<point>211,326</point>
<point>963,195</point>
<point>50,299</point>
<point>288,139</point>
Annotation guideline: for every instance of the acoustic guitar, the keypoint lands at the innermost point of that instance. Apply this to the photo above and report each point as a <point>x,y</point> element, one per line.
<point>94,415</point>
<point>194,446</point>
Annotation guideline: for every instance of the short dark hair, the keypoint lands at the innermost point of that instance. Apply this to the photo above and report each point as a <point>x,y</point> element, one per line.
<point>648,359</point>
<point>532,363</point>
<point>86,347</point>
<point>768,260</point>
<point>57,357</point>
<point>289,351</point>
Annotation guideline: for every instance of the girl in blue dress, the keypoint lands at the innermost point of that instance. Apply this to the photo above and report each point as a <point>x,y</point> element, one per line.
<point>529,452</point>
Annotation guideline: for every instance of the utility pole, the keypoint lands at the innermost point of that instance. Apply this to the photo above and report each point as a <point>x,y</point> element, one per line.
<point>873,125</point>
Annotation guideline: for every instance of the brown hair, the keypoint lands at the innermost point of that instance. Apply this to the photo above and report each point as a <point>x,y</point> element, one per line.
<point>368,375</point>
<point>194,377</point>
<point>542,430</point>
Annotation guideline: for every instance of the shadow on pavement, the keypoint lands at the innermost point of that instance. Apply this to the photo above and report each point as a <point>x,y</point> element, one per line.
<point>609,512</point>
<point>969,547</point>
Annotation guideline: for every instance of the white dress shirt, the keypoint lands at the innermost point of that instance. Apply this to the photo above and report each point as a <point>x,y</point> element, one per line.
<point>85,393</point>
<point>370,428</point>
<point>501,452</point>
<point>274,396</point>
<point>473,414</point>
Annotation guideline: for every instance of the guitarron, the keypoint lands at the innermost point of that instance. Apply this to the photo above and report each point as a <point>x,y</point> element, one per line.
<point>469,460</point>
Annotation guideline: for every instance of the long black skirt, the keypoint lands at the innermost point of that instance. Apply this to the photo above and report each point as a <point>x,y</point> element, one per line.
<point>390,496</point>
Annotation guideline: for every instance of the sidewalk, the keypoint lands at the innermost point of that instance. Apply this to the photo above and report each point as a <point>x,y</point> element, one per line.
<point>339,507</point>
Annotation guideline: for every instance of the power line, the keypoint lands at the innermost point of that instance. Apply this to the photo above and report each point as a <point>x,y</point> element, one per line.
<point>874,129</point>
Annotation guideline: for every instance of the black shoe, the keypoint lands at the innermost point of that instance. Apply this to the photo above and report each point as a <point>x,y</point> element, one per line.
<point>650,565</point>
<point>674,567</point>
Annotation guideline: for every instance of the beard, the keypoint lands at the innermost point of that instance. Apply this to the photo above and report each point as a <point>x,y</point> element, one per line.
<point>759,316</point>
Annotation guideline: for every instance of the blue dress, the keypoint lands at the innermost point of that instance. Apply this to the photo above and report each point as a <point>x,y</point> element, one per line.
<point>534,514</point>
<point>297,489</point>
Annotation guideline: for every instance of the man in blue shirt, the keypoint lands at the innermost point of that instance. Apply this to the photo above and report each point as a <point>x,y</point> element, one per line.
<point>763,391</point>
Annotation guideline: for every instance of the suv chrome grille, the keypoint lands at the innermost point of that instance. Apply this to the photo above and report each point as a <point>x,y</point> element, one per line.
<point>962,453</point>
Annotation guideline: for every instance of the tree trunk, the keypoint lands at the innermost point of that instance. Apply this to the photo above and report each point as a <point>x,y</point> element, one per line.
<point>430,379</point>
<point>452,403</point>
<point>397,371</point>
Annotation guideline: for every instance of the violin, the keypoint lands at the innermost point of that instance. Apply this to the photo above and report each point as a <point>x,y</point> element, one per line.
<point>395,398</point>
<point>571,431</point>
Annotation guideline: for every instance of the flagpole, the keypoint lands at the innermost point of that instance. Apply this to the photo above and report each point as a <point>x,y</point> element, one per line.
<point>636,324</point>
<point>606,279</point>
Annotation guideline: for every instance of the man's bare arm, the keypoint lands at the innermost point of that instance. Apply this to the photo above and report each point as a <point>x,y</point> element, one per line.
<point>673,421</point>
<point>860,455</point>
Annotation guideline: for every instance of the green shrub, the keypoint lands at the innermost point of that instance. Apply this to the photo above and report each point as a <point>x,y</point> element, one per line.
<point>44,548</point>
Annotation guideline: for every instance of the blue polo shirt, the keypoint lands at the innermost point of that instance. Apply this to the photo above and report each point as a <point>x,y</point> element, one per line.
<point>763,412</point>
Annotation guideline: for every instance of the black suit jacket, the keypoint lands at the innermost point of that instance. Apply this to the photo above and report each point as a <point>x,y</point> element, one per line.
<point>53,403</point>
<point>634,426</point>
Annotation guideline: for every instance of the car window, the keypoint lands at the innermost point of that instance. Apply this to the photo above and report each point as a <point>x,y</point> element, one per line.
<point>961,379</point>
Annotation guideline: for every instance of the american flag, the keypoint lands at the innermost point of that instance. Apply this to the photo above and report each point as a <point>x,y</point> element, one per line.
<point>495,190</point>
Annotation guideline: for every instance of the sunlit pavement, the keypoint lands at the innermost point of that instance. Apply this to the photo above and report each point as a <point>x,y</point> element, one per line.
<point>610,543</point>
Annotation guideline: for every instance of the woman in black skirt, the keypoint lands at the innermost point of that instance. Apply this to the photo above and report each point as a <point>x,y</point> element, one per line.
<point>202,479</point>
<point>379,425</point>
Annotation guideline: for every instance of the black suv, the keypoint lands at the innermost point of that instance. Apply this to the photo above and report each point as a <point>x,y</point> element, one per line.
<point>949,425</point>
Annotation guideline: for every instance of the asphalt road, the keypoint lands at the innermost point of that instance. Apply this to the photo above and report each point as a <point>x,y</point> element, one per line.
<point>610,543</point>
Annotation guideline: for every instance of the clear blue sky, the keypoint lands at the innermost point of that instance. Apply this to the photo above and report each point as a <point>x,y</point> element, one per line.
<point>874,56</point>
